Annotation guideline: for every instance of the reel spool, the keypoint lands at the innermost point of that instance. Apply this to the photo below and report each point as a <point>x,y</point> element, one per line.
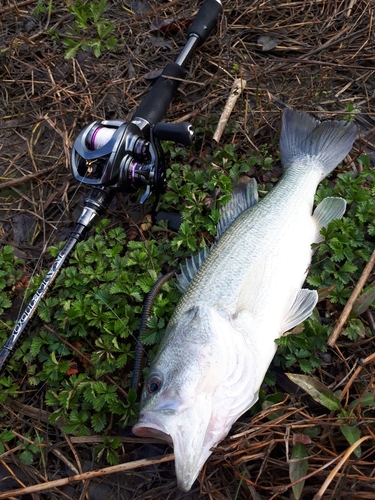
<point>114,154</point>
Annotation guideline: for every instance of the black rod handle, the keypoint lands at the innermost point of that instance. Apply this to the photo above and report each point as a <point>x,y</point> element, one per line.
<point>205,20</point>
<point>157,100</point>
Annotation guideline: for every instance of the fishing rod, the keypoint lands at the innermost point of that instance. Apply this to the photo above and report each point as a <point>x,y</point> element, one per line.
<point>115,156</point>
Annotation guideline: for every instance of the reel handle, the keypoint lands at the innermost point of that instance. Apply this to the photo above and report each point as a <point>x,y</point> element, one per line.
<point>180,133</point>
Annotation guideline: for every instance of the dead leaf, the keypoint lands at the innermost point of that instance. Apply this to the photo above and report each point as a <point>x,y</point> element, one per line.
<point>73,370</point>
<point>267,42</point>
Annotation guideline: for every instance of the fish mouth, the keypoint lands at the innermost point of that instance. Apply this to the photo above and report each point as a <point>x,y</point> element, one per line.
<point>147,426</point>
<point>190,450</point>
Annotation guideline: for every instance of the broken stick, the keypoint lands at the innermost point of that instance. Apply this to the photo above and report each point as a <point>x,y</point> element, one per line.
<point>238,85</point>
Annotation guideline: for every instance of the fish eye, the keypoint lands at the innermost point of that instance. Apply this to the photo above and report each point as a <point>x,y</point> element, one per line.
<point>153,384</point>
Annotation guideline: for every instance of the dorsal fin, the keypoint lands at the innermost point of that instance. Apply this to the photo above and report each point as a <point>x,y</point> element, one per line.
<point>244,196</point>
<point>189,270</point>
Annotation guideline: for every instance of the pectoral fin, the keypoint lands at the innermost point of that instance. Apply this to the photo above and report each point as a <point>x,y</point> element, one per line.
<point>301,309</point>
<point>250,288</point>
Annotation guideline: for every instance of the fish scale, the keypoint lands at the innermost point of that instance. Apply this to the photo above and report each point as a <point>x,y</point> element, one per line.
<point>241,296</point>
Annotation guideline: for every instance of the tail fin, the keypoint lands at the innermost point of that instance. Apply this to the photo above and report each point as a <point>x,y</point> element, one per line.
<point>328,142</point>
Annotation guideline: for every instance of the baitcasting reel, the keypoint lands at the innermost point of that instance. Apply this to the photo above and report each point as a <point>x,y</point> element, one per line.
<point>117,155</point>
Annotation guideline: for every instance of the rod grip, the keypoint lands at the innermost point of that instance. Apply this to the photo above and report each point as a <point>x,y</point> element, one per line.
<point>205,20</point>
<point>157,100</point>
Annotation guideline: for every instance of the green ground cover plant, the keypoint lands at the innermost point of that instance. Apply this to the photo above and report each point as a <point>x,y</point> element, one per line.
<point>89,31</point>
<point>93,310</point>
<point>79,353</point>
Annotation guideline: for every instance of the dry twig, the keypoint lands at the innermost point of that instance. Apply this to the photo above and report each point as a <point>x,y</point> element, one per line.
<point>88,475</point>
<point>353,297</point>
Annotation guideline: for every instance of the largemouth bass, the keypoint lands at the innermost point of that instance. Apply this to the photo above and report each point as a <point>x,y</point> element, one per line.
<point>241,296</point>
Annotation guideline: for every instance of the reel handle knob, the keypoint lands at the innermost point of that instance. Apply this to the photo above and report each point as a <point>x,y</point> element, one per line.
<point>181,133</point>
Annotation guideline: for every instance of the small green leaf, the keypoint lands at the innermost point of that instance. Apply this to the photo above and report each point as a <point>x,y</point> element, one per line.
<point>318,391</point>
<point>98,421</point>
<point>72,52</point>
<point>298,467</point>
<point>363,302</point>
<point>104,28</point>
<point>351,433</point>
<point>313,432</point>
<point>355,329</point>
<point>275,414</point>
<point>112,456</point>
<point>6,436</point>
<point>365,160</point>
<point>26,457</point>
<point>53,358</point>
<point>366,401</point>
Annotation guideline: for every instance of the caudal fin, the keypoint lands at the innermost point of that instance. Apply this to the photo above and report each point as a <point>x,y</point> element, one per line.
<point>302,136</point>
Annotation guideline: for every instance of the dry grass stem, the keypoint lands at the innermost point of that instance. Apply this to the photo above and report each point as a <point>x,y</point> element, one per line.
<point>238,85</point>
<point>87,475</point>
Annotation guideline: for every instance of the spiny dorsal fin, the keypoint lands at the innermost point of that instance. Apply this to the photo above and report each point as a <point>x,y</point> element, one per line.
<point>244,196</point>
<point>189,270</point>
<point>301,309</point>
<point>329,209</point>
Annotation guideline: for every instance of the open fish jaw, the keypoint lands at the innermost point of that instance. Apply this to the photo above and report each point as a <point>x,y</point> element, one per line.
<point>186,432</point>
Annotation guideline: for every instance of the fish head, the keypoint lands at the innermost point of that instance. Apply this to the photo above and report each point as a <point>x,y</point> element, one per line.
<point>196,389</point>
